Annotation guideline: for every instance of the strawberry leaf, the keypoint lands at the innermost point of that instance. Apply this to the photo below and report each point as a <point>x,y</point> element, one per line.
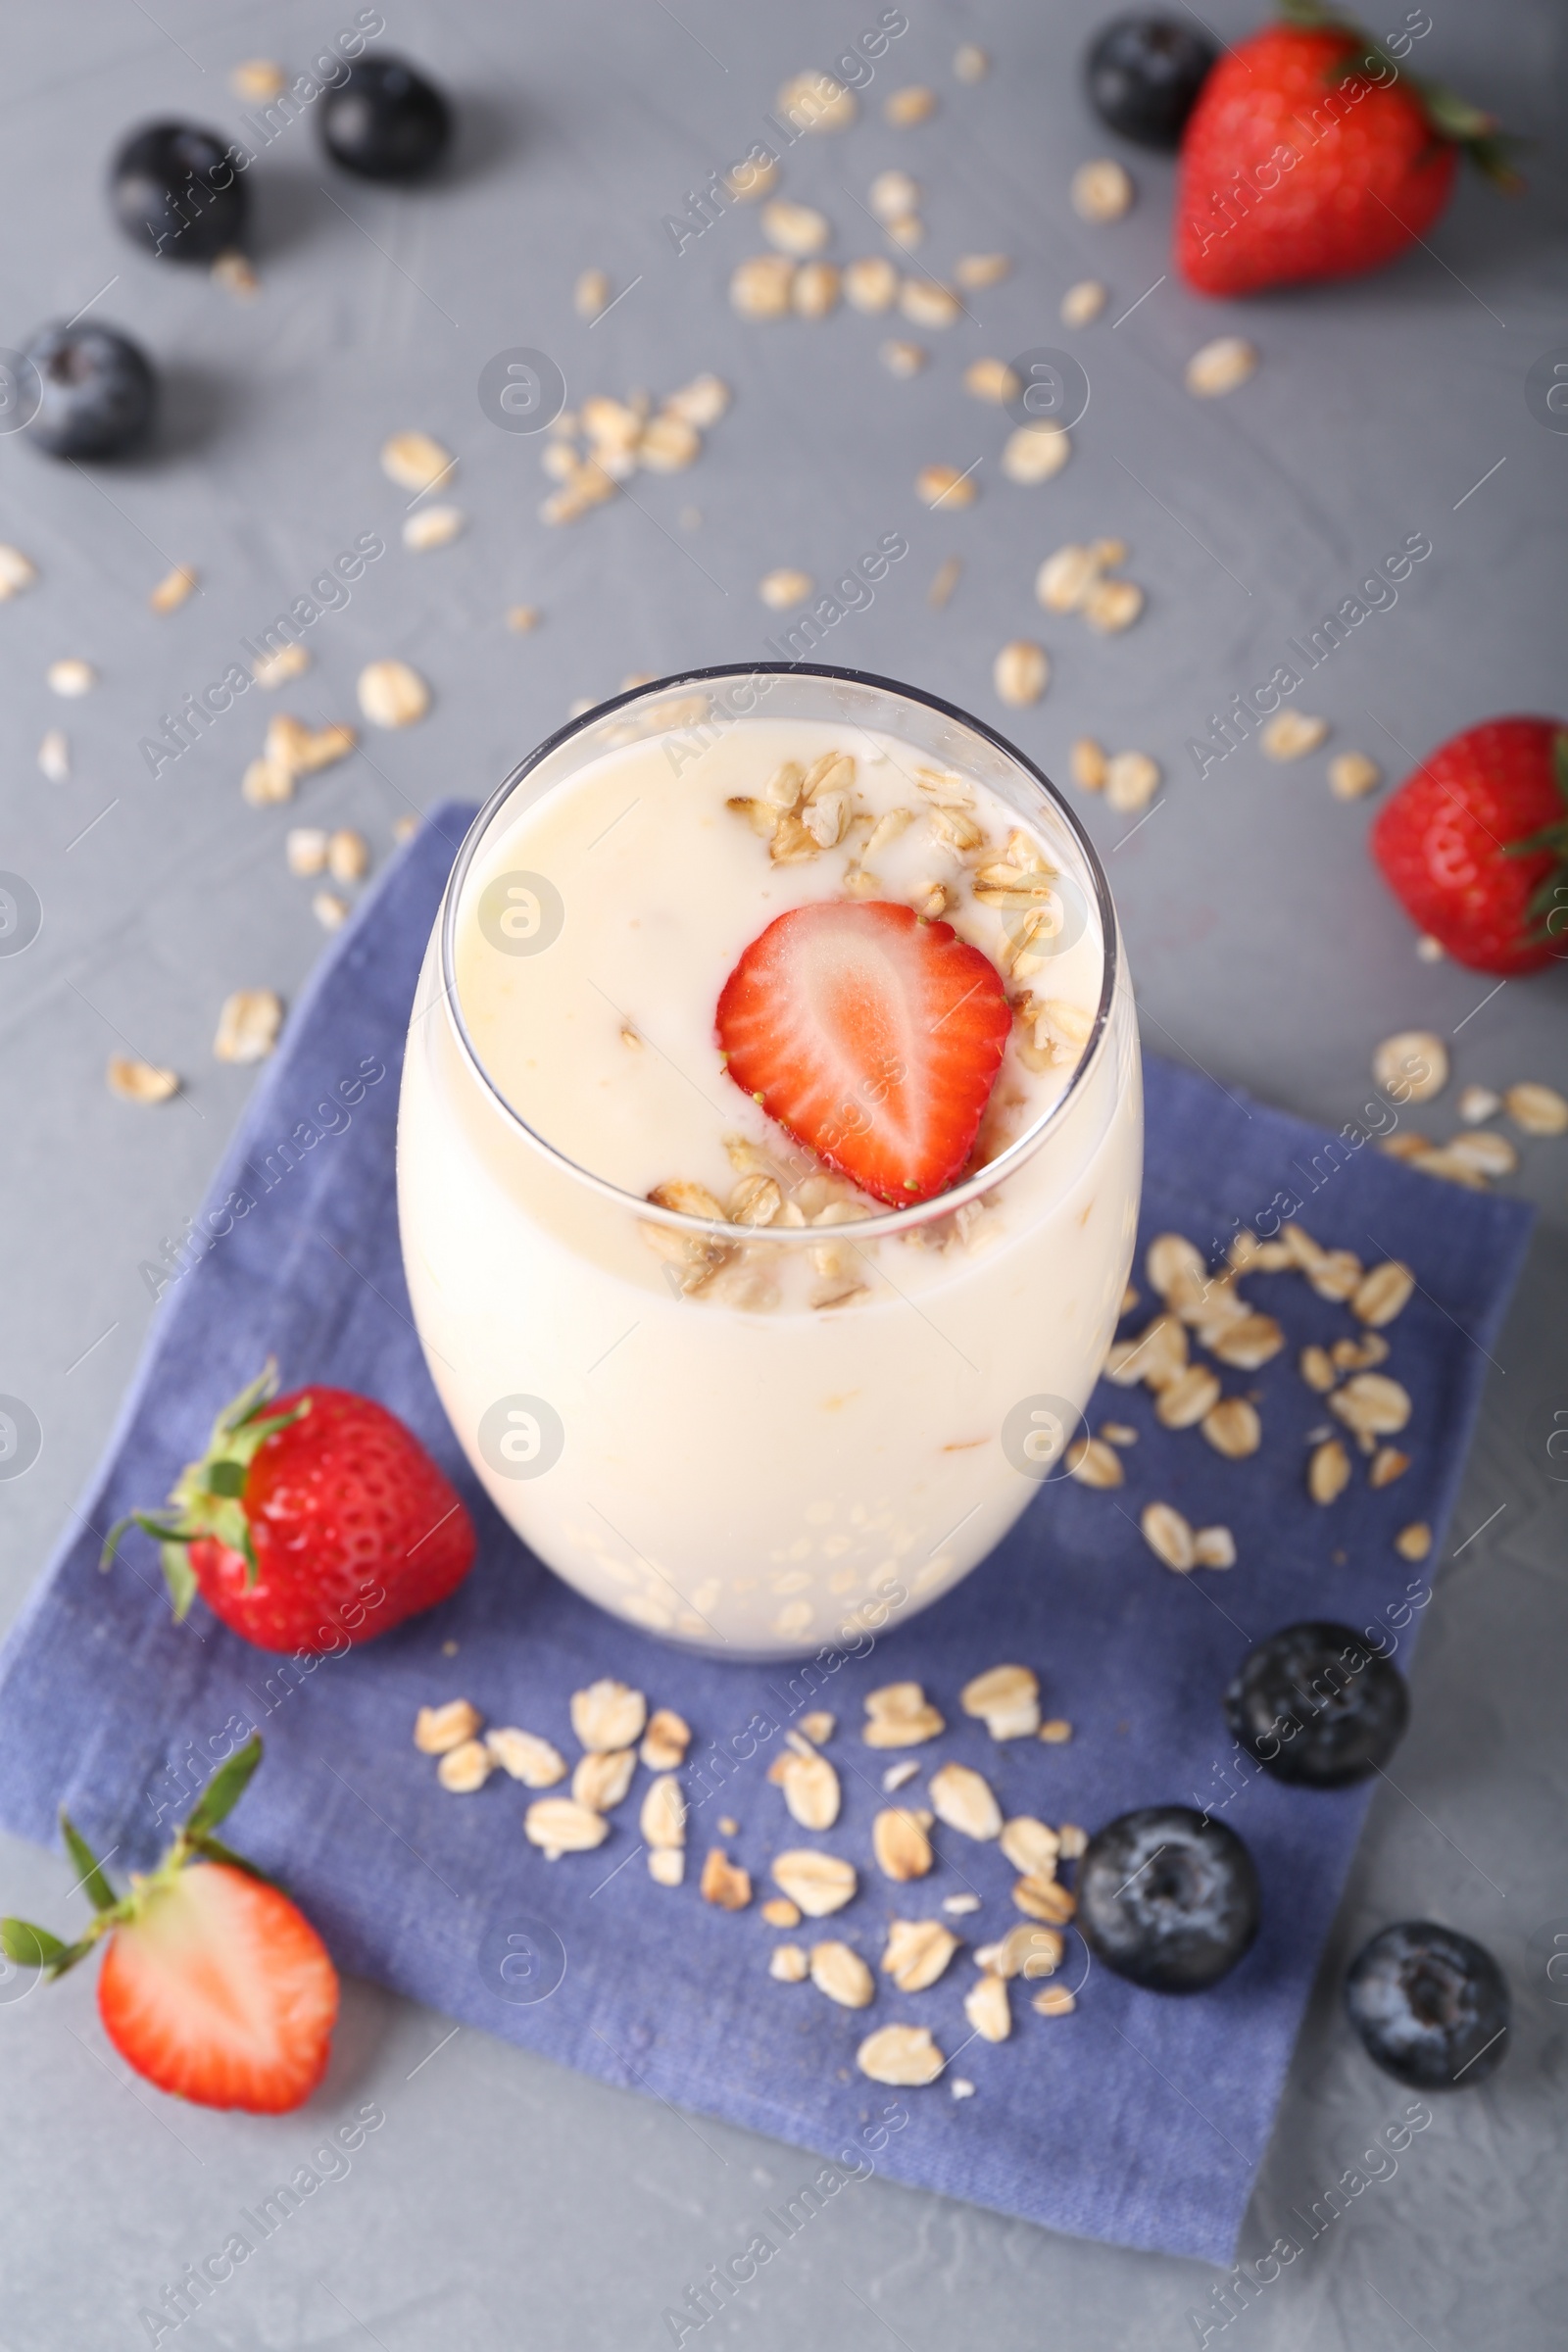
<point>34,1948</point>
<point>214,1850</point>
<point>94,1885</point>
<point>224,1789</point>
<point>178,1574</point>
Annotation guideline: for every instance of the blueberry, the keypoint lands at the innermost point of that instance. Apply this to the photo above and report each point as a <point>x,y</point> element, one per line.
<point>1167,1898</point>
<point>97,391</point>
<point>1143,75</point>
<point>174,189</point>
<point>1317,1707</point>
<point>385,121</point>
<point>1431,2005</point>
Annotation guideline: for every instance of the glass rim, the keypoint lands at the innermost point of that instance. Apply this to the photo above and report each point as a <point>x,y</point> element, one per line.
<point>891,1221</point>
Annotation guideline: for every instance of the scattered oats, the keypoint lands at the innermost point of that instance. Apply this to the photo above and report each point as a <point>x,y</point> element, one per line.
<point>662,1818</point>
<point>902,359</point>
<point>903,2056</point>
<point>1382,1292</point>
<point>1033,453</point>
<point>523,1757</point>
<point>964,1799</point>
<point>405,827</point>
<point>817,102</point>
<point>1168,1536</point>
<point>917,1952</point>
<point>1055,1731</point>
<point>819,1727</point>
<point>811,1790</point>
<point>944,581</point>
<point>904,109</point>
<point>602,1780</point>
<point>1030,1846</point>
<point>1290,734</point>
<point>247,1024</point>
<point>750,178</point>
<point>1131,778</point>
<point>608,1715</point>
<point>1065,579</point>
<point>329,910</point>
<point>1538,1109</point>
<point>392,695</point>
<point>140,1081</point>
<point>667,1865</point>
<point>907,233</point>
<point>925,303</point>
<point>900,1715</point>
<point>414,462</point>
<point>1328,1472</point>
<point>701,402</point>
<point>1351,776</point>
<point>1101,190</point>
<point>465,1768</point>
<point>236,274</point>
<point>893,194</point>
<point>977,270</point>
<point>432,527</point>
<point>560,1826</point>
<point>841,1973</point>
<point>798,229</point>
<point>172,589</point>
<point>1074,1840</point>
<point>522,618</point>
<point>871,284</point>
<point>761,286</point>
<point>1188,1398</point>
<point>1478,1102</point>
<point>944,486</point>
<point>725,1881</point>
<point>1359,1356</point>
<point>305,847</point>
<point>1055,2000</point>
<point>899,1776</point>
<point>1215,1548</point>
<point>993,380</point>
<point>1413,1543</point>
<point>276,670</point>
<point>728,1827</point>
<point>1220,367</point>
<point>1023,1952</point>
<point>1172,1263</point>
<point>669,444</point>
<point>1316,1367</point>
<point>783,589</point>
<point>1092,1460</point>
<point>1007,1700</point>
<point>1487,1152</point>
<point>817,1883</point>
<point>258,81</point>
<point>961,1905</point>
<point>15,572</point>
<point>780,1912</point>
<point>1430,949</point>
<point>1082,303</point>
<point>1044,1900</point>
<point>1020,673</point>
<point>1408,1145</point>
<point>1388,1464</point>
<point>1087,765</point>
<point>71,677</point>
<point>54,757</point>
<point>1233,1428</point>
<point>787,1964</point>
<point>437,1729</point>
<point>1452,1166</point>
<point>1248,1345</point>
<point>296,750</point>
<point>1372,1405</point>
<point>591,294</point>
<point>970,63</point>
<point>1112,606</point>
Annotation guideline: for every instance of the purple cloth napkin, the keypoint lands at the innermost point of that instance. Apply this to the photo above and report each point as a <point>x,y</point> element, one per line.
<point>1138,2119</point>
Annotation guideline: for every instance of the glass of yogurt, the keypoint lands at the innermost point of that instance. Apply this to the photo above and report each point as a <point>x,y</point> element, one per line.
<point>741,1388</point>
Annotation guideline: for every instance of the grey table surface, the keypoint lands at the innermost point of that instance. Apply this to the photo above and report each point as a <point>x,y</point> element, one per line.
<point>504,2202</point>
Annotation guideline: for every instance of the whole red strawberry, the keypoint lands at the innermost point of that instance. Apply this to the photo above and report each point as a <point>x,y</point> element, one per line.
<point>1313,153</point>
<point>213,1984</point>
<point>1475,844</point>
<point>311,1523</point>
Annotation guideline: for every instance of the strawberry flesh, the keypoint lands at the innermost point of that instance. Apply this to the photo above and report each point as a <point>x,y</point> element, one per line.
<point>221,1991</point>
<point>871,1036</point>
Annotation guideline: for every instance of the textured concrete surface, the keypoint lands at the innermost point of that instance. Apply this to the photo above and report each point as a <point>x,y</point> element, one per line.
<point>502,2202</point>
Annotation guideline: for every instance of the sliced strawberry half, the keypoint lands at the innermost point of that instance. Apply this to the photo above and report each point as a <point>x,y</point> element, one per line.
<point>222,1992</point>
<point>872,1036</point>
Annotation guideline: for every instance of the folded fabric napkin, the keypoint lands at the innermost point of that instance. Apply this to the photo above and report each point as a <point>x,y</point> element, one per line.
<point>1138,2119</point>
